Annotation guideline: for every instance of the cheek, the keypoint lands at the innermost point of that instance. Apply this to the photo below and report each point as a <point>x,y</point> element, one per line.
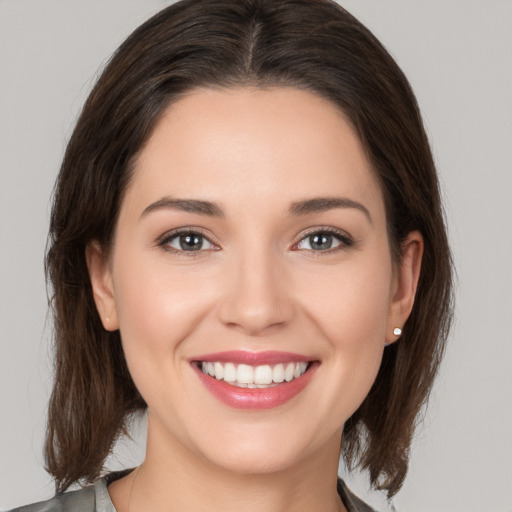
<point>351,311</point>
<point>352,303</point>
<point>158,305</point>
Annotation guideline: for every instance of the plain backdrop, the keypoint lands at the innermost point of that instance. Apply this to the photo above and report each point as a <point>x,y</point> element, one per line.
<point>457,55</point>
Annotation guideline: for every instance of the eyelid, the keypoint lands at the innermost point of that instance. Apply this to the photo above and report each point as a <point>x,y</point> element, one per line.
<point>164,239</point>
<point>345,238</point>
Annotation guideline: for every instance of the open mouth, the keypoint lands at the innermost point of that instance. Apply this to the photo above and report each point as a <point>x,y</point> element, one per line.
<point>253,377</point>
<point>254,380</point>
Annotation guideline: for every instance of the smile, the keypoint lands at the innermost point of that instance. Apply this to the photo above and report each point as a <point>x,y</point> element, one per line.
<point>247,380</point>
<point>260,377</point>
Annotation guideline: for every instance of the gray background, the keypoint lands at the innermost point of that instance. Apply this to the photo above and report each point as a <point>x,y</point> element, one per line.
<point>457,55</point>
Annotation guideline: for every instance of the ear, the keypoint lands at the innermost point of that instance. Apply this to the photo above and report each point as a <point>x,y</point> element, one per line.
<point>102,286</point>
<point>405,283</point>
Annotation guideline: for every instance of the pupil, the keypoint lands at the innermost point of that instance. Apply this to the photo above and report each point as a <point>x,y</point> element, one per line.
<point>320,241</point>
<point>191,242</point>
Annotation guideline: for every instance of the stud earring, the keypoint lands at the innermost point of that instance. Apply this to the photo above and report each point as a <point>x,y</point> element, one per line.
<point>397,331</point>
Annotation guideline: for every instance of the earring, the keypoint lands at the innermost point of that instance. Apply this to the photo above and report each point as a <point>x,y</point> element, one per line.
<point>397,331</point>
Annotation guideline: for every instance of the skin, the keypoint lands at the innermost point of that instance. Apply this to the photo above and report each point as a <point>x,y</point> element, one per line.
<point>256,285</point>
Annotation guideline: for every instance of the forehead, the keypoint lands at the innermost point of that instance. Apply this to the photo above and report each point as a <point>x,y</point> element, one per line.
<point>242,145</point>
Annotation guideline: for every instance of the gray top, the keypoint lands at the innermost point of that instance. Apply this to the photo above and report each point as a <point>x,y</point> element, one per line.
<point>96,498</point>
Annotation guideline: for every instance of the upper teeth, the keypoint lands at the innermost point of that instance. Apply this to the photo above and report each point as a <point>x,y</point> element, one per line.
<point>263,376</point>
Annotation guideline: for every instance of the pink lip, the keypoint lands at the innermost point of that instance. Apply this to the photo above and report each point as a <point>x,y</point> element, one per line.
<point>253,358</point>
<point>245,398</point>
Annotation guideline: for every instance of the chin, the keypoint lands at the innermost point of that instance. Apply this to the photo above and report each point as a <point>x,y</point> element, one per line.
<point>256,462</point>
<point>264,453</point>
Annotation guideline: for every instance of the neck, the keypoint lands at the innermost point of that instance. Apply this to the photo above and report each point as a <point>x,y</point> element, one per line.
<point>172,478</point>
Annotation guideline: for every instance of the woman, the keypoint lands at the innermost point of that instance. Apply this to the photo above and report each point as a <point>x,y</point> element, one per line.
<point>247,242</point>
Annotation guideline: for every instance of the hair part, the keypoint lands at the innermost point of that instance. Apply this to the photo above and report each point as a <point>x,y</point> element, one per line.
<point>309,44</point>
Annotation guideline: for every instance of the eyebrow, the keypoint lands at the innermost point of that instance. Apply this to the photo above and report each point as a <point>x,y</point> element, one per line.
<point>321,204</point>
<point>185,205</point>
<point>208,208</point>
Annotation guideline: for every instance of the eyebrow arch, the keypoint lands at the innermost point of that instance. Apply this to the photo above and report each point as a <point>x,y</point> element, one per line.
<point>321,204</point>
<point>185,205</point>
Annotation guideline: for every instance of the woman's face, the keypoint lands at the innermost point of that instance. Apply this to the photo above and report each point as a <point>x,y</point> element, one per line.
<point>253,238</point>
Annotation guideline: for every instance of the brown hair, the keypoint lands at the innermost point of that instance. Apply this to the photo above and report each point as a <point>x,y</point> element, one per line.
<point>310,44</point>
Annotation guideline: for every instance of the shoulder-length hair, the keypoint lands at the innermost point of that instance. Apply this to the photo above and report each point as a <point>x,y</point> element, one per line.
<point>313,45</point>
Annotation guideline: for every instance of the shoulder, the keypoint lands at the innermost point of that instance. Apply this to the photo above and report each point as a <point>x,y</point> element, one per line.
<point>76,501</point>
<point>94,498</point>
<point>350,500</point>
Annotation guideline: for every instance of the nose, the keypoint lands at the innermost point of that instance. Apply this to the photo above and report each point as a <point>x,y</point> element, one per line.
<point>257,299</point>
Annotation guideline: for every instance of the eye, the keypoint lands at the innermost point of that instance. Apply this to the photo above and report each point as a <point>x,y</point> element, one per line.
<point>324,241</point>
<point>187,241</point>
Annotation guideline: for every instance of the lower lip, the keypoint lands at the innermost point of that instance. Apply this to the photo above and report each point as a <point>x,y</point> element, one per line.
<point>266,398</point>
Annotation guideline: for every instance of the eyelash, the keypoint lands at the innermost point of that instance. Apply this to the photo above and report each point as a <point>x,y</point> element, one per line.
<point>171,236</point>
<point>345,241</point>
